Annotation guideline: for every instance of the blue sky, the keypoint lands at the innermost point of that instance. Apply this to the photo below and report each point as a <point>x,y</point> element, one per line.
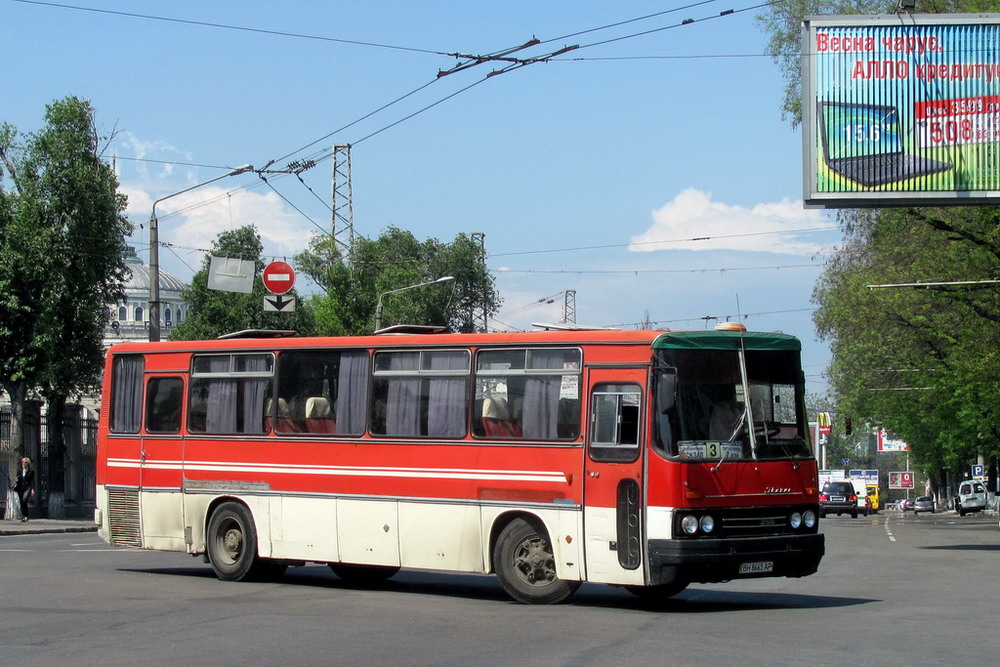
<point>591,172</point>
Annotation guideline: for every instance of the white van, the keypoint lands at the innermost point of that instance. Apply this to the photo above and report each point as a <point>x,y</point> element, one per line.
<point>864,502</point>
<point>971,497</point>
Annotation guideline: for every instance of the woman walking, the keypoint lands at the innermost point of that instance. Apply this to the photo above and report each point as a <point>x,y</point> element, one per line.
<point>25,485</point>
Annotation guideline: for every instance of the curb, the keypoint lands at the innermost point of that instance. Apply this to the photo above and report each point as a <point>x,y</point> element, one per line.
<point>43,529</point>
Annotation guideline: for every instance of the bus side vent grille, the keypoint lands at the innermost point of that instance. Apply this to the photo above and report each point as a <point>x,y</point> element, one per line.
<point>123,518</point>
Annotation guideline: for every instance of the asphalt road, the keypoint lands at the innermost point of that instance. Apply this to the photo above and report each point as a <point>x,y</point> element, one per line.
<point>892,589</point>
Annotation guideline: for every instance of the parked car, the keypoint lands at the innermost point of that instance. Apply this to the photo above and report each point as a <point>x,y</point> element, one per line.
<point>838,498</point>
<point>971,497</point>
<point>906,504</point>
<point>923,504</point>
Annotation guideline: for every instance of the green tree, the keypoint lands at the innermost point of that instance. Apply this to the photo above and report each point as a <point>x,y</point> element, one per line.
<point>212,313</point>
<point>922,362</point>
<point>61,260</point>
<point>394,260</point>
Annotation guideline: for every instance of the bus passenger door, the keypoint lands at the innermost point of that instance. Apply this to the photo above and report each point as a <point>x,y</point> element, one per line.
<point>160,464</point>
<point>613,491</point>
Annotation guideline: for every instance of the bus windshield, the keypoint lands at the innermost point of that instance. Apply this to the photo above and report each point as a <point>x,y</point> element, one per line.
<point>730,404</point>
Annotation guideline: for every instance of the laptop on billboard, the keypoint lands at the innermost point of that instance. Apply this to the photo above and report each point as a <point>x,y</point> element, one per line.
<point>864,142</point>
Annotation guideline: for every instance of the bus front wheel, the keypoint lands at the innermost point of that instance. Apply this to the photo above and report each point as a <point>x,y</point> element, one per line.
<point>526,566</point>
<point>232,542</point>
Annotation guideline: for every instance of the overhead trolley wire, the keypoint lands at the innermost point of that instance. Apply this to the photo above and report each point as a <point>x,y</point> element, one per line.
<point>226,26</point>
<point>501,55</point>
<point>677,240</point>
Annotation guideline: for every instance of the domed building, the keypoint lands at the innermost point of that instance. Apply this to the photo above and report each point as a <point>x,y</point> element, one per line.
<point>129,319</point>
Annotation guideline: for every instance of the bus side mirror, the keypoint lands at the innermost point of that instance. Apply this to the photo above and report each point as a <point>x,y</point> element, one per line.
<point>666,390</point>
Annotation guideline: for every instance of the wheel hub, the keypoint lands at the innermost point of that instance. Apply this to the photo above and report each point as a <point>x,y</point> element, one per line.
<point>534,562</point>
<point>232,542</point>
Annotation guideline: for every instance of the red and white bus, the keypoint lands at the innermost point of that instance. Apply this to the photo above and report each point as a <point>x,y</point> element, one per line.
<point>645,459</point>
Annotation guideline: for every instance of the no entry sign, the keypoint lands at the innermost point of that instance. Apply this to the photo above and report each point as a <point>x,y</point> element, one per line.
<point>278,277</point>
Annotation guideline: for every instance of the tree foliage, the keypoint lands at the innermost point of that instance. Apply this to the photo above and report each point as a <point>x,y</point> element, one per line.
<point>212,313</point>
<point>62,258</point>
<point>922,362</point>
<point>395,260</point>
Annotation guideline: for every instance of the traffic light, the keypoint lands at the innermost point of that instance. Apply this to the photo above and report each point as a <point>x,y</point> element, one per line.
<point>847,425</point>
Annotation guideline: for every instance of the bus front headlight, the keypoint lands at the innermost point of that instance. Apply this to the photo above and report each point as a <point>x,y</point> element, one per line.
<point>689,524</point>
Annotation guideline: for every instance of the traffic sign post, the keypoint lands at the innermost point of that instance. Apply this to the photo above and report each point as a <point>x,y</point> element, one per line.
<point>278,277</point>
<point>279,303</point>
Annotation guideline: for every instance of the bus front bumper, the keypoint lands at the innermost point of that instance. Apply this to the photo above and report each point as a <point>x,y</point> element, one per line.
<point>715,560</point>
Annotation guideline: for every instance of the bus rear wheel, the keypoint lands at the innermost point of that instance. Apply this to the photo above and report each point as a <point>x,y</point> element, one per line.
<point>526,566</point>
<point>232,543</point>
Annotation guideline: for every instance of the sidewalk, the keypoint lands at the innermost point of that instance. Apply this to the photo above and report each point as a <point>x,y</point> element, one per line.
<point>47,526</point>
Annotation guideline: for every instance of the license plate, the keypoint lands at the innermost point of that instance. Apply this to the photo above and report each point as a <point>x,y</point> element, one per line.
<point>756,568</point>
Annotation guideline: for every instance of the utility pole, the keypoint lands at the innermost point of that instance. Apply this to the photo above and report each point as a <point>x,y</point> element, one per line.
<point>342,204</point>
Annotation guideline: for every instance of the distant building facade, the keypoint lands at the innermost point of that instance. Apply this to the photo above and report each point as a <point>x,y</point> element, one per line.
<point>128,320</point>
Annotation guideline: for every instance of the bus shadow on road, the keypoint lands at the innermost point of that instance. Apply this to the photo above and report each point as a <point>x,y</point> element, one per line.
<point>709,601</point>
<point>963,547</point>
<point>486,588</point>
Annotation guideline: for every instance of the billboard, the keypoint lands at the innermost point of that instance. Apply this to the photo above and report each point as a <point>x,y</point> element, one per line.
<point>887,444</point>
<point>867,475</point>
<point>901,480</point>
<point>901,110</point>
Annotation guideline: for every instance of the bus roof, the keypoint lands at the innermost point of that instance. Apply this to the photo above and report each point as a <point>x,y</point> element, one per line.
<point>726,340</point>
<point>694,340</point>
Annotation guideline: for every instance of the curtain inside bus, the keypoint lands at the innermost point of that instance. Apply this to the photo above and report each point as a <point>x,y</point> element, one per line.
<point>126,394</point>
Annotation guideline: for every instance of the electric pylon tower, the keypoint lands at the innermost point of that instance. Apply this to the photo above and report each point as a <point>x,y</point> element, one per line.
<point>343,208</point>
<point>569,306</point>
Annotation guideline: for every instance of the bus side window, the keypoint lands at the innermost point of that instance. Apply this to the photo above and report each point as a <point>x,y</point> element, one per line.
<point>126,393</point>
<point>421,393</point>
<point>538,391</point>
<point>322,391</point>
<point>163,405</point>
<point>229,393</point>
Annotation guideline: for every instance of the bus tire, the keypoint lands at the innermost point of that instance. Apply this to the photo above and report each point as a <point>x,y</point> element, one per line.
<point>526,566</point>
<point>363,575</point>
<point>232,543</point>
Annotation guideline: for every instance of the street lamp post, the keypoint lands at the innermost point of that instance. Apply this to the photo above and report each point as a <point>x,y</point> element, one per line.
<point>154,253</point>
<point>378,304</point>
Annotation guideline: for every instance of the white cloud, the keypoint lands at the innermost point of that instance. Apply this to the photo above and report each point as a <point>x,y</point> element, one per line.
<point>195,219</point>
<point>139,201</point>
<point>158,153</point>
<point>769,227</point>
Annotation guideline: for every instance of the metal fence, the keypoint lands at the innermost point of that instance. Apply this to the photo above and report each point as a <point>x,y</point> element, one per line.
<point>79,461</point>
